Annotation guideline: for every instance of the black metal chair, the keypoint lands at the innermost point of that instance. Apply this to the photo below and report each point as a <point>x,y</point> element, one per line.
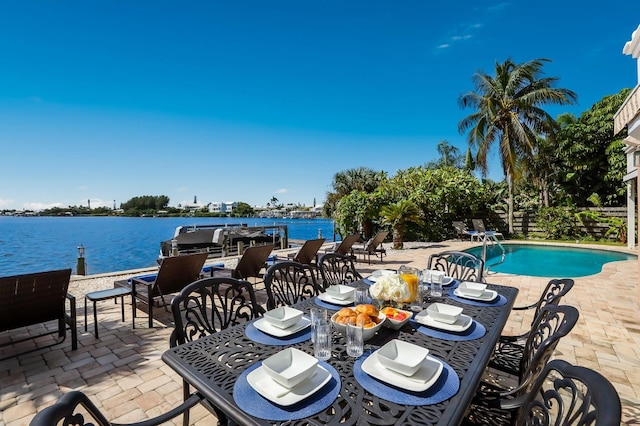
<point>552,323</point>
<point>459,265</point>
<point>206,307</point>
<point>337,269</point>
<point>76,409</point>
<point>289,282</point>
<point>563,394</point>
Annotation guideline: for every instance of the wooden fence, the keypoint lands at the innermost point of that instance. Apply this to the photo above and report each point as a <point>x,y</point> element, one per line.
<point>524,222</point>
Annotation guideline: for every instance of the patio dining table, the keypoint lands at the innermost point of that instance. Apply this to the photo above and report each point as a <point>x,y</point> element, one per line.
<point>217,364</point>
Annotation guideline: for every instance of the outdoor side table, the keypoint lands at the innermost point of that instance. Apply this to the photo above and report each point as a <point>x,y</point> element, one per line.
<point>97,296</point>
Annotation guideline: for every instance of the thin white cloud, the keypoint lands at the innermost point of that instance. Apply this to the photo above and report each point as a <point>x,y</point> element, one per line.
<point>40,206</point>
<point>6,203</point>
<point>444,46</point>
<point>466,31</point>
<point>282,191</point>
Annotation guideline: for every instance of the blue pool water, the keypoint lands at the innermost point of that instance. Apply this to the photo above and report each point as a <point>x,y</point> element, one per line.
<point>548,261</point>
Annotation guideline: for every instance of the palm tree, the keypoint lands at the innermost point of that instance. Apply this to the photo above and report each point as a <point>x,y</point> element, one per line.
<point>449,154</point>
<point>398,215</point>
<point>508,110</point>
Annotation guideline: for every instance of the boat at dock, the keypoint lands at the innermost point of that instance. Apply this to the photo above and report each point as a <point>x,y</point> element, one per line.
<point>221,240</point>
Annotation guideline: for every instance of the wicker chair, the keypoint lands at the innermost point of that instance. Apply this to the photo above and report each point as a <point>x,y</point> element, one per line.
<point>308,252</point>
<point>288,283</point>
<point>250,264</point>
<point>206,307</point>
<point>336,269</point>
<point>457,264</point>
<point>370,248</point>
<point>30,299</point>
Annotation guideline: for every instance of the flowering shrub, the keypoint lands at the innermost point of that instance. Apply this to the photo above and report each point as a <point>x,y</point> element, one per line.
<point>390,287</point>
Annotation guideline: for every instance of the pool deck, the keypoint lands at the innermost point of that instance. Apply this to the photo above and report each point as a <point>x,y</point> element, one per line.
<point>123,374</point>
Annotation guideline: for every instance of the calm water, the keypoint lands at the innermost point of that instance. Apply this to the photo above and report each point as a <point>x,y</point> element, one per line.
<point>32,244</point>
<point>549,261</point>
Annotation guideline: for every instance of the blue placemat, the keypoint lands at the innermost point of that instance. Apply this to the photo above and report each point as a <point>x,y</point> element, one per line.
<point>260,337</point>
<point>367,281</point>
<point>498,301</point>
<point>331,306</point>
<point>475,331</point>
<point>444,388</point>
<point>254,404</point>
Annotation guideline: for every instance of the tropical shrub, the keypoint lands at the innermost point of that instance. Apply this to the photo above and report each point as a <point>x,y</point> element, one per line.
<point>557,222</point>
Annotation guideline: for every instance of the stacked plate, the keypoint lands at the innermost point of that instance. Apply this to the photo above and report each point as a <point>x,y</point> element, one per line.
<point>475,291</point>
<point>288,377</point>
<point>282,322</point>
<point>444,317</point>
<point>404,365</point>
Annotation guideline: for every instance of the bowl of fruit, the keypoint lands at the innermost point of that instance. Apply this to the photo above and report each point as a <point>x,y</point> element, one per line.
<point>396,318</point>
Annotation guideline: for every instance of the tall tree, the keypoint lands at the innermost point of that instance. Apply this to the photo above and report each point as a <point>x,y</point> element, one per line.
<point>508,111</point>
<point>361,179</point>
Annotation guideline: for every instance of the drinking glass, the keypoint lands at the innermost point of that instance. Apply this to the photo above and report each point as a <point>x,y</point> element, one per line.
<point>410,276</point>
<point>318,315</point>
<point>436,283</point>
<point>361,296</point>
<point>322,341</point>
<point>355,340</point>
<point>418,303</point>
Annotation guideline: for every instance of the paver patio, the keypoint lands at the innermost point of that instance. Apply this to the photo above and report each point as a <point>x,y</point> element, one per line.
<point>123,374</point>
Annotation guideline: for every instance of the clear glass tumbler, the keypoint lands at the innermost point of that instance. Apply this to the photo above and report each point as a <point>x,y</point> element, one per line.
<point>355,339</point>
<point>361,295</point>
<point>317,315</point>
<point>322,341</point>
<point>437,277</point>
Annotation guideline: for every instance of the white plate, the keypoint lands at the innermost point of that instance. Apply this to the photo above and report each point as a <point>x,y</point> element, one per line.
<point>259,380</point>
<point>447,281</point>
<point>462,324</point>
<point>380,273</point>
<point>487,296</point>
<point>264,326</point>
<point>423,379</point>
<point>330,299</point>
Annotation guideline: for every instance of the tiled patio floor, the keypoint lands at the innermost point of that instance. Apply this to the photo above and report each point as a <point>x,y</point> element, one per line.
<point>123,374</point>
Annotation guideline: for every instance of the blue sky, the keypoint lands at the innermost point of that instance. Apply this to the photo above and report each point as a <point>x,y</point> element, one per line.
<point>247,100</point>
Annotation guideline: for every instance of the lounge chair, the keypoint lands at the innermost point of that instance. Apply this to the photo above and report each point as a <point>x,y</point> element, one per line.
<point>462,231</point>
<point>174,274</point>
<point>308,252</point>
<point>478,226</point>
<point>250,264</point>
<point>344,247</point>
<point>371,247</point>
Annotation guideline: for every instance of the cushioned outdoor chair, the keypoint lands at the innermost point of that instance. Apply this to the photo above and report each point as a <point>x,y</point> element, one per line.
<point>344,246</point>
<point>563,394</point>
<point>371,247</point>
<point>288,283</point>
<point>457,264</point>
<point>75,408</point>
<point>250,265</point>
<point>205,307</point>
<point>478,226</point>
<point>308,252</point>
<point>336,269</point>
<point>174,274</point>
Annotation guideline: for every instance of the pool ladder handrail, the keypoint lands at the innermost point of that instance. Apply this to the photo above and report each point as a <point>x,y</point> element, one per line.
<point>494,241</point>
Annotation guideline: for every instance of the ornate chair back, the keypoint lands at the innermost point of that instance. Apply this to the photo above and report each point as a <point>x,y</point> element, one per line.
<point>336,269</point>
<point>288,283</point>
<point>457,264</point>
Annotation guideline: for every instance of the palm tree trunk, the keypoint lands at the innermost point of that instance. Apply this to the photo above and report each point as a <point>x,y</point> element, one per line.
<point>398,237</point>
<point>510,206</point>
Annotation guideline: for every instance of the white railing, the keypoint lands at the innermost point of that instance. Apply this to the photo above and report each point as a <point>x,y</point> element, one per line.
<point>493,240</point>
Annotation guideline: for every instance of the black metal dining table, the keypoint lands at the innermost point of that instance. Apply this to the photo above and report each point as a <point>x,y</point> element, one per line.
<point>214,363</point>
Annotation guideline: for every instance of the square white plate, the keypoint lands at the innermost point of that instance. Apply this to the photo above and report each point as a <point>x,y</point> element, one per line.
<point>447,281</point>
<point>487,296</point>
<point>262,383</point>
<point>264,326</point>
<point>329,299</point>
<point>380,273</point>
<point>462,324</point>
<point>423,379</point>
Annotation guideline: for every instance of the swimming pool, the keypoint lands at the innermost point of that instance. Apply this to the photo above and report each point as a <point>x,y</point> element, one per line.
<point>548,260</point>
